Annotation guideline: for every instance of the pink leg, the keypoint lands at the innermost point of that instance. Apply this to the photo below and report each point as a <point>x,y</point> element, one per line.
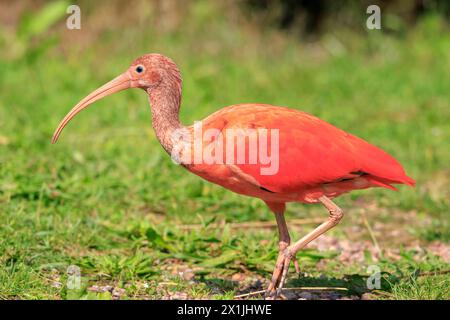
<point>290,251</point>
<point>283,243</point>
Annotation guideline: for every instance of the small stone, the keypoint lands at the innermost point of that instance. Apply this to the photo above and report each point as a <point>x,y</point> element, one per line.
<point>106,288</point>
<point>179,296</point>
<point>94,288</point>
<point>118,292</point>
<point>289,295</point>
<point>306,295</point>
<point>330,296</point>
<point>187,274</point>
<point>366,296</point>
<point>238,277</point>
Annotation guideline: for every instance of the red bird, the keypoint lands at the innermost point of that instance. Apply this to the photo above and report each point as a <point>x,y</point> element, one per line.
<point>310,160</point>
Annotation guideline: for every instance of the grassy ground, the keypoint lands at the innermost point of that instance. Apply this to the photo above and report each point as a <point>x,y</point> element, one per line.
<point>107,199</point>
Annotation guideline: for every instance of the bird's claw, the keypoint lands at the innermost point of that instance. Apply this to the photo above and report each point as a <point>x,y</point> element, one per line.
<point>280,273</point>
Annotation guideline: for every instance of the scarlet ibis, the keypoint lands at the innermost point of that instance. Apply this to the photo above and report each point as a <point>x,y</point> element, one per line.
<point>316,161</point>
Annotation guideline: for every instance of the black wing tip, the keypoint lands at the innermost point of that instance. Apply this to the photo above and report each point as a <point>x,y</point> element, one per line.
<point>267,190</point>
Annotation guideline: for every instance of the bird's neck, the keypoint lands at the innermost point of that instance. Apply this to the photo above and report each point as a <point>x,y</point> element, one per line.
<point>165,106</point>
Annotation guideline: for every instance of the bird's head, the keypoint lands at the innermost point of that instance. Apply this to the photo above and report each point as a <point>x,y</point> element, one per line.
<point>147,72</point>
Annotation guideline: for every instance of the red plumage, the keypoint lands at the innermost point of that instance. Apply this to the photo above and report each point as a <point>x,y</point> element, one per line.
<point>313,156</point>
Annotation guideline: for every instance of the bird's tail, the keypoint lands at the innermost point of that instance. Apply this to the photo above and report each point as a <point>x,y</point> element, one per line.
<point>388,183</point>
<point>382,168</point>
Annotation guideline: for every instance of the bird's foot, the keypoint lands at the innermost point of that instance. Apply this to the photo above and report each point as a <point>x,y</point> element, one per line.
<point>280,273</point>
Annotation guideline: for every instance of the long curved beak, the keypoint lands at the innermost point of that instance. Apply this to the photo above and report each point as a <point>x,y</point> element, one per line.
<point>120,83</point>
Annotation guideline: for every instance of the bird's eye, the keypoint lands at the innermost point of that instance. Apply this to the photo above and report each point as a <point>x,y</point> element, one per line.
<point>139,69</point>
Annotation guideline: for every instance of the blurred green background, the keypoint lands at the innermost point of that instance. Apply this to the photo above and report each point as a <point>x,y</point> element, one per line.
<point>107,198</point>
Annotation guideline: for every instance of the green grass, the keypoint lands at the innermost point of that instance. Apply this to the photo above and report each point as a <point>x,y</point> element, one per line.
<point>107,198</point>
<point>429,288</point>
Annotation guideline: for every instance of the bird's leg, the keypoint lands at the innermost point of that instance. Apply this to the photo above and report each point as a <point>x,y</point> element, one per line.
<point>283,243</point>
<point>335,216</point>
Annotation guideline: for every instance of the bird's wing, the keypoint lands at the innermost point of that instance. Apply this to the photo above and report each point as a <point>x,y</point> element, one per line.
<point>311,151</point>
